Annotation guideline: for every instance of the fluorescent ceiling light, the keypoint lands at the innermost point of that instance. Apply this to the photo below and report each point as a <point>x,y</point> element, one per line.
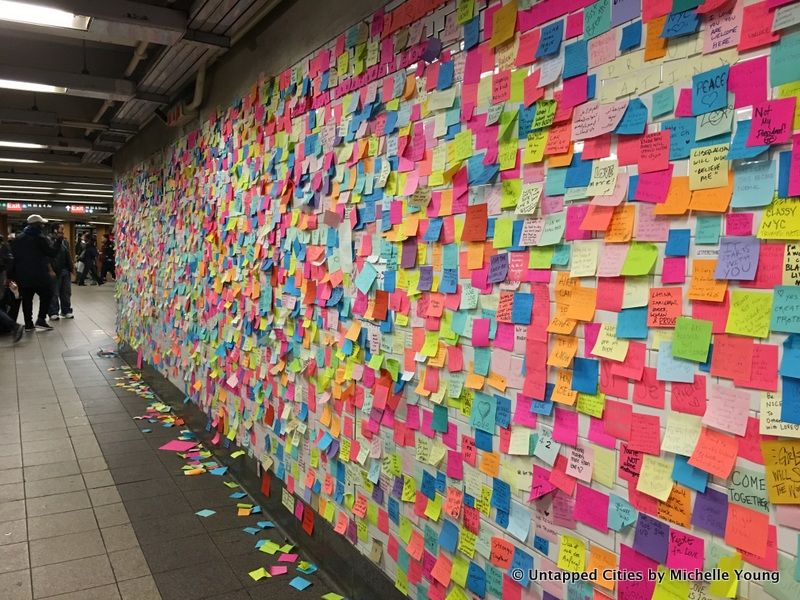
<point>83,195</point>
<point>23,191</point>
<point>88,191</point>
<point>33,14</point>
<point>25,187</point>
<point>27,86</point>
<point>6,144</point>
<point>20,160</point>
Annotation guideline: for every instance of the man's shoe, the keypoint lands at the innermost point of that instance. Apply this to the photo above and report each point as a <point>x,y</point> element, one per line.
<point>30,328</point>
<point>18,331</point>
<point>54,317</point>
<point>68,315</point>
<point>43,326</point>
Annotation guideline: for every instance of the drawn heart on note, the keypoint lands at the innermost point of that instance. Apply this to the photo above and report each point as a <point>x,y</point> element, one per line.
<point>710,98</point>
<point>483,411</point>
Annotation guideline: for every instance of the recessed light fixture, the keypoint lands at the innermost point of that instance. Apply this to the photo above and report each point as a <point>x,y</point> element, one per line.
<point>20,160</point>
<point>7,144</point>
<point>34,14</point>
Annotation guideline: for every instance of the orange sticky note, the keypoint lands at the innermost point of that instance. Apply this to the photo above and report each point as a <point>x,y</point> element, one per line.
<point>678,199</point>
<point>564,350</point>
<point>602,561</point>
<point>655,46</point>
<point>747,529</point>
<point>664,307</point>
<point>582,304</point>
<point>620,230</point>
<point>715,452</point>
<point>713,199</point>
<point>504,24</point>
<point>703,285</point>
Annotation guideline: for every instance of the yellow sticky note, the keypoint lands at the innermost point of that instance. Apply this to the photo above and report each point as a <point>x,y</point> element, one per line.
<point>669,589</point>
<point>708,167</point>
<point>504,24</point>
<point>778,461</point>
<point>749,313</point>
<point>608,345</point>
<point>655,478</point>
<point>780,221</point>
<point>534,146</point>
<point>726,588</point>
<point>788,90</point>
<point>571,554</point>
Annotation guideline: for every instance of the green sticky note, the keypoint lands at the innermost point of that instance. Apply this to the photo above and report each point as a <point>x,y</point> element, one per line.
<point>597,18</point>
<point>375,361</point>
<point>707,230</point>
<point>783,60</point>
<point>541,258</point>
<point>663,102</point>
<point>640,260</point>
<point>692,338</point>
<point>503,233</point>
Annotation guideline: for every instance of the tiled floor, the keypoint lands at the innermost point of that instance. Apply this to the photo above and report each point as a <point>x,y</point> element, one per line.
<point>89,507</point>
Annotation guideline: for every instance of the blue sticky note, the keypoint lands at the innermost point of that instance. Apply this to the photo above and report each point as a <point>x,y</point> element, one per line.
<point>541,544</point>
<point>631,36</point>
<point>476,580</point>
<point>237,495</point>
<point>501,494</point>
<point>632,323</point>
<point>680,24</point>
<point>790,407</point>
<point>710,90</point>
<point>678,242</point>
<point>634,120</point>
<point>579,172</point>
<point>663,102</point>
<point>522,308</point>
<point>753,184</point>
<point>670,368</point>
<point>300,583</point>
<point>784,59</point>
<point>681,136</point>
<point>554,182</point>
<point>576,59</point>
<point>739,148</point>
<point>687,475</point>
<point>205,513</point>
<point>785,165</point>
<point>786,309</point>
<point>484,440</point>
<point>446,75</point>
<point>585,372</point>
<point>707,230</point>
<point>472,32</point>
<point>448,536</point>
<point>790,361</point>
<point>621,513</point>
<point>522,562</point>
<point>550,40</point>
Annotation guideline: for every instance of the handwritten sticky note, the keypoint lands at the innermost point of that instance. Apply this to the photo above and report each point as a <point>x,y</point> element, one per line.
<point>708,167</point>
<point>710,90</point>
<point>655,477</point>
<point>571,554</point>
<point>772,122</point>
<point>715,452</point>
<point>692,339</point>
<point>738,258</point>
<point>750,313</point>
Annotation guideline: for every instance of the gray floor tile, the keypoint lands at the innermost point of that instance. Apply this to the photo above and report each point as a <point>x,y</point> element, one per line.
<point>12,491</point>
<point>12,510</point>
<point>58,503</point>
<point>71,576</point>
<point>143,588</point>
<point>54,485</point>
<point>61,524</point>
<point>54,446</point>
<point>55,469</point>
<point>104,495</point>
<point>13,557</point>
<point>44,458</point>
<point>120,537</point>
<point>90,465</point>
<point>37,435</point>
<point>10,476</point>
<point>110,515</point>
<point>66,547</point>
<point>98,479</point>
<point>128,564</point>
<point>104,592</point>
<point>16,585</point>
<point>13,532</point>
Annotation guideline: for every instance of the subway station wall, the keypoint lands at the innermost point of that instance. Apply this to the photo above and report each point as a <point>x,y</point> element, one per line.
<point>503,291</point>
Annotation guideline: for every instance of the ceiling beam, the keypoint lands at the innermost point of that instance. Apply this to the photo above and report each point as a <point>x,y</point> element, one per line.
<point>11,157</point>
<point>50,142</point>
<point>28,117</point>
<point>14,177</point>
<point>77,84</point>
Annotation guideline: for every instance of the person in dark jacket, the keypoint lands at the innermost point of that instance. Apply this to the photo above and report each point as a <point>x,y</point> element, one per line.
<point>89,260</point>
<point>62,286</point>
<point>6,322</point>
<point>33,271</point>
<point>108,258</point>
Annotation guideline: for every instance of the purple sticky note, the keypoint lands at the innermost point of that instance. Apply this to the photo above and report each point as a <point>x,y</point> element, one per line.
<point>498,268</point>
<point>432,50</point>
<point>711,511</point>
<point>409,256</point>
<point>652,538</point>
<point>625,10</point>
<point>738,258</point>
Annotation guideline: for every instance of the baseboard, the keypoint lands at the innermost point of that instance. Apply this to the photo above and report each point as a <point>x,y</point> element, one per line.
<point>356,576</point>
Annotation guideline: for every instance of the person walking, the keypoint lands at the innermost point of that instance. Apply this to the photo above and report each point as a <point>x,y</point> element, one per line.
<point>89,260</point>
<point>107,252</point>
<point>6,322</point>
<point>33,271</point>
<point>62,286</point>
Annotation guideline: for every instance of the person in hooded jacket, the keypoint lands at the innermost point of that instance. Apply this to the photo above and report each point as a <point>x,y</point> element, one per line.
<point>6,321</point>
<point>33,271</point>
<point>62,286</point>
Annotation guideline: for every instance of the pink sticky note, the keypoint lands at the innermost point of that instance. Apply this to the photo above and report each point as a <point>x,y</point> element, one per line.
<point>674,269</point>
<point>480,332</point>
<point>290,558</point>
<point>794,169</point>
<point>739,224</point>
<point>591,508</point>
<point>565,426</point>
<point>653,187</point>
<point>748,81</point>
<point>684,106</point>
<point>772,122</point>
<point>541,483</point>
<point>574,25</point>
<point>178,446</point>
<point>598,435</point>
<point>757,27</point>
<point>278,570</point>
<point>686,551</point>
<point>727,409</point>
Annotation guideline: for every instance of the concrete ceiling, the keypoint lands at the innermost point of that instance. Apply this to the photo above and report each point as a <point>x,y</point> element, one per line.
<point>136,59</point>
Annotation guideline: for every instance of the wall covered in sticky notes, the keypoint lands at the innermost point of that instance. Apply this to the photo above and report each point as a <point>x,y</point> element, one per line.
<point>502,286</point>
